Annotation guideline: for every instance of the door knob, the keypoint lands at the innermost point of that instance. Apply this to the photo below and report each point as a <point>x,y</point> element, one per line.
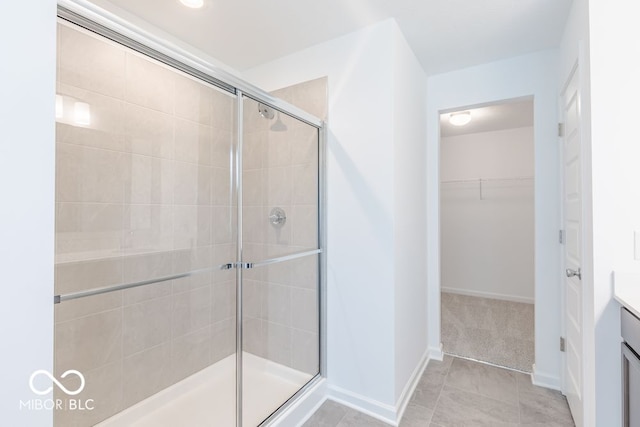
<point>574,273</point>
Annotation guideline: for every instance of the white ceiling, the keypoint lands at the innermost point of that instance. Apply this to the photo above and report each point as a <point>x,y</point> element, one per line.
<point>507,115</point>
<point>445,34</point>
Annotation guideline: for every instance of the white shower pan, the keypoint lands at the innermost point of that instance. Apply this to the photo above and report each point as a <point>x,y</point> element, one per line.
<point>207,398</point>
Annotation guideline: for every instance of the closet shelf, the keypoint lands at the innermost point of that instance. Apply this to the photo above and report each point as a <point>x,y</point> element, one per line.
<point>476,180</point>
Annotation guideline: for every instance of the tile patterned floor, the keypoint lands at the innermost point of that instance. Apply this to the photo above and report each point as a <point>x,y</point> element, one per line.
<point>462,393</point>
<point>494,331</point>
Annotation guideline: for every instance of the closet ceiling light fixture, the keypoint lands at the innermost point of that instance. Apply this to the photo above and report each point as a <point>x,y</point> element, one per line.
<point>193,4</point>
<point>460,119</point>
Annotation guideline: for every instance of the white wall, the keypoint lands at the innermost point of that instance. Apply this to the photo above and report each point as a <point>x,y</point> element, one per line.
<point>376,336</point>
<point>487,244</point>
<point>27,85</point>
<point>615,88</point>
<point>359,207</point>
<point>409,111</point>
<point>534,74</point>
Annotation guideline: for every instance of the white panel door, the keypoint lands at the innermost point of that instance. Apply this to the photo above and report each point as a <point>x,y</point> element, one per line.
<point>572,201</point>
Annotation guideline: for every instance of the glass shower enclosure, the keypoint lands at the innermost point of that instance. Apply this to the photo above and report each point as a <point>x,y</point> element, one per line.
<point>188,240</point>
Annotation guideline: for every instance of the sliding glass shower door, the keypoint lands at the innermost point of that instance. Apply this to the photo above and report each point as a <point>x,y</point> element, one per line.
<point>279,205</point>
<point>187,243</point>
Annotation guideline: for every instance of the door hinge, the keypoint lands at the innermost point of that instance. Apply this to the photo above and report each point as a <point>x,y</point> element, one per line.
<point>560,129</point>
<point>561,236</point>
<point>562,344</point>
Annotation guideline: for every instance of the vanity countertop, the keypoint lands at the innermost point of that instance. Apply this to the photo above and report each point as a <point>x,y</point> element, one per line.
<point>626,290</point>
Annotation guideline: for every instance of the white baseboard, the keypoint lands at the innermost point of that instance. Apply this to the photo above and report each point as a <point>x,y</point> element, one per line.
<point>436,353</point>
<point>409,388</point>
<point>304,408</point>
<point>545,380</point>
<point>381,411</point>
<point>491,295</point>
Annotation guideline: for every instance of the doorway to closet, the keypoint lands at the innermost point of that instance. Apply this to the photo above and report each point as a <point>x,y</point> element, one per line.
<point>487,233</point>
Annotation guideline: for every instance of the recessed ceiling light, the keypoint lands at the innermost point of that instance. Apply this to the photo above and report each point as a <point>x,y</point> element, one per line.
<point>193,4</point>
<point>460,119</point>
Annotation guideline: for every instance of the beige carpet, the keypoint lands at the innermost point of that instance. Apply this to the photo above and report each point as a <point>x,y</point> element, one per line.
<point>490,330</point>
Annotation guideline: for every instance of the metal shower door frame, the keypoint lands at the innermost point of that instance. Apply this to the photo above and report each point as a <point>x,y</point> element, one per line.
<point>96,20</point>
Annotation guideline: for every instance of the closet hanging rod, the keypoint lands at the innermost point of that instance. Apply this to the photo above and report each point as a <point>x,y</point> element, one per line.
<point>476,180</point>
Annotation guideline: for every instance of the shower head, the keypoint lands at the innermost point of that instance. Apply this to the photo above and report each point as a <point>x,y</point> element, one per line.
<point>266,112</point>
<point>279,125</point>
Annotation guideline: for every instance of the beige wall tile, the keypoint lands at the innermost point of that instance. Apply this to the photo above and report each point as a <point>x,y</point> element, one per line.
<point>278,149</point>
<point>221,190</point>
<point>191,353</point>
<point>86,174</point>
<point>139,188</point>
<point>305,352</point>
<point>223,254</point>
<point>146,325</point>
<point>305,184</point>
<point>279,273</point>
<point>73,309</point>
<point>146,373</point>
<point>149,84</point>
<point>304,148</point>
<point>185,226</point>
<point>253,187</point>
<point>148,228</point>
<point>193,142</point>
<point>162,176</point>
<point>223,340</point>
<point>85,219</point>
<point>279,189</point>
<point>143,293</point>
<point>185,190</point>
<point>148,132</point>
<point>104,386</point>
<point>191,311</point>
<point>148,266</point>
<point>312,96</point>
<point>276,303</point>
<point>223,225</point>
<point>278,343</point>
<point>304,272</point>
<point>278,235</point>
<point>89,342</point>
<point>106,129</point>
<point>223,301</point>
<point>83,275</point>
<point>254,147</point>
<point>304,226</point>
<point>254,340</point>
<point>224,108</point>
<point>91,63</point>
<point>221,148</point>
<point>205,219</point>
<point>193,101</point>
<point>252,299</point>
<point>255,224</point>
<point>205,184</point>
<point>304,309</point>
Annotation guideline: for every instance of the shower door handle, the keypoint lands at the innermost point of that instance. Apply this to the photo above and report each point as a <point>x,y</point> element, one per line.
<point>574,273</point>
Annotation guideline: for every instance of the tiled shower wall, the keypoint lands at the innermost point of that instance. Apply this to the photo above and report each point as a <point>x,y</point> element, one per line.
<point>142,191</point>
<point>280,306</point>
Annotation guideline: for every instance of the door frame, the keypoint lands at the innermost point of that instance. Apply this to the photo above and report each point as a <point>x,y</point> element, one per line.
<point>491,83</point>
<point>588,321</point>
